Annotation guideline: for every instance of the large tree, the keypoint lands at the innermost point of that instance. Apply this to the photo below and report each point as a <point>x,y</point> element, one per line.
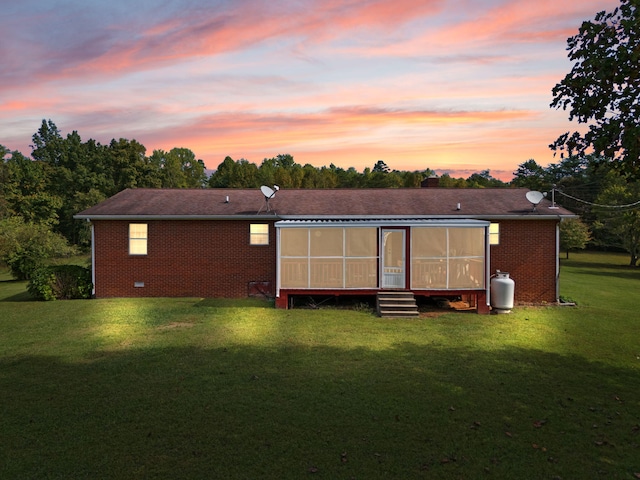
<point>602,90</point>
<point>618,211</point>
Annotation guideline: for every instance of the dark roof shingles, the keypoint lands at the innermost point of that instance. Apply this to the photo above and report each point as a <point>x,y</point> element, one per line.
<point>323,203</point>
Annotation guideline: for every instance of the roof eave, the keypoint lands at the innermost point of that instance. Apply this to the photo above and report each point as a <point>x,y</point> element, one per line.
<point>175,217</point>
<point>530,216</point>
<point>435,217</point>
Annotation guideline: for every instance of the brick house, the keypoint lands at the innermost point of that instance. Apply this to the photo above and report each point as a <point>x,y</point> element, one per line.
<point>235,243</point>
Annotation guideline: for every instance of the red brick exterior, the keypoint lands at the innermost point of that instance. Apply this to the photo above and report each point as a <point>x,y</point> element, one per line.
<point>527,252</point>
<point>207,258</point>
<point>184,259</point>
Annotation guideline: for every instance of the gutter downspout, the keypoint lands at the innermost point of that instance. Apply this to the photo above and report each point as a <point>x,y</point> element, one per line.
<point>277,262</point>
<point>558,261</point>
<point>93,262</point>
<point>487,272</point>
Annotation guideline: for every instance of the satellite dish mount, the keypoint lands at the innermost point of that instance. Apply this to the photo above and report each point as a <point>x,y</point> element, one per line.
<point>268,193</point>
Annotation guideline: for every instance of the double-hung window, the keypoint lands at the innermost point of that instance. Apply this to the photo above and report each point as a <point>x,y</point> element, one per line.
<point>138,238</point>
<point>259,234</point>
<point>494,234</point>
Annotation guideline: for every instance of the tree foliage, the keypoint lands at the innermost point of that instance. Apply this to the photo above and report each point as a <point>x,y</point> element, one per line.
<point>25,246</point>
<point>621,216</point>
<point>602,90</point>
<point>67,174</point>
<point>574,234</point>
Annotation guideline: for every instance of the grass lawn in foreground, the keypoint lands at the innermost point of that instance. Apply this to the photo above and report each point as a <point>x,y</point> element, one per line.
<point>205,388</point>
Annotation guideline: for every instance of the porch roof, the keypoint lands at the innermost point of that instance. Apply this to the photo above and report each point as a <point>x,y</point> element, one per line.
<point>410,222</point>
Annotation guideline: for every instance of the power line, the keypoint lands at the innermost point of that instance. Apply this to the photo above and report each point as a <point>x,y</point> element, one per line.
<point>629,205</point>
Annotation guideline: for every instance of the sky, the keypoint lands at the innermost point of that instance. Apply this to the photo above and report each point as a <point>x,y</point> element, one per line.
<point>457,86</point>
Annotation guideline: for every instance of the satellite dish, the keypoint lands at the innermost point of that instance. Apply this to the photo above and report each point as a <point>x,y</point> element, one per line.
<point>534,198</point>
<point>268,192</point>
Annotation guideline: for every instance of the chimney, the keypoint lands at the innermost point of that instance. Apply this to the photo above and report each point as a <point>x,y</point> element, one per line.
<point>430,182</point>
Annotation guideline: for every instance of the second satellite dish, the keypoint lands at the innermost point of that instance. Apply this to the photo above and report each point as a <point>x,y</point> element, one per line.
<point>268,192</point>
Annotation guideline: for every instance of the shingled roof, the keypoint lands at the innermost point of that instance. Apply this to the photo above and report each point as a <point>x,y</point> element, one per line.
<point>324,203</point>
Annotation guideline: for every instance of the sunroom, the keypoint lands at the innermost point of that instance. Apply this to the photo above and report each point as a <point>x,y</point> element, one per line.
<point>426,256</point>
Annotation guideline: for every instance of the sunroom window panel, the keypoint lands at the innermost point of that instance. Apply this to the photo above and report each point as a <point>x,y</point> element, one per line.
<point>466,242</point>
<point>361,242</point>
<point>326,272</point>
<point>361,273</point>
<point>294,242</point>
<point>429,273</point>
<point>294,272</point>
<point>326,242</point>
<point>429,242</point>
<point>466,273</point>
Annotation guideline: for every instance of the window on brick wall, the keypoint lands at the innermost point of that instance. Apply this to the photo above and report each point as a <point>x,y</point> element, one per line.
<point>137,239</point>
<point>259,234</point>
<point>494,234</point>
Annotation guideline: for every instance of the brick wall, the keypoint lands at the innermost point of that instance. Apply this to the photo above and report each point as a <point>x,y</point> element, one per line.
<point>527,252</point>
<point>214,259</point>
<point>184,259</point>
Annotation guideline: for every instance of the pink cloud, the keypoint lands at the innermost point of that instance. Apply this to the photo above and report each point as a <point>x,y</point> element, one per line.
<point>100,49</point>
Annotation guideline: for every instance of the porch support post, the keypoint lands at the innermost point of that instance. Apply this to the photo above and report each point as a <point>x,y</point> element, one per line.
<point>482,306</point>
<point>282,301</point>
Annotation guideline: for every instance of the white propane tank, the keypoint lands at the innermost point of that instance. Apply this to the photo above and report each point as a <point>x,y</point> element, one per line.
<point>502,292</point>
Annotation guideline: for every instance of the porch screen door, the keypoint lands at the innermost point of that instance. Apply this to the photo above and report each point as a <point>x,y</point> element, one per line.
<point>393,259</point>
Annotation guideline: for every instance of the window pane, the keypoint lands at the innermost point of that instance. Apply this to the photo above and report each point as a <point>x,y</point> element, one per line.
<point>138,246</point>
<point>294,273</point>
<point>361,242</point>
<point>137,230</point>
<point>361,273</point>
<point>259,234</point>
<point>326,242</point>
<point>294,242</point>
<point>326,273</point>
<point>429,273</point>
<point>466,273</point>
<point>429,242</point>
<point>466,242</point>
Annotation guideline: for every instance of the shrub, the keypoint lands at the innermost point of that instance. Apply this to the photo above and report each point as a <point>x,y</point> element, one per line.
<point>25,246</point>
<point>61,282</point>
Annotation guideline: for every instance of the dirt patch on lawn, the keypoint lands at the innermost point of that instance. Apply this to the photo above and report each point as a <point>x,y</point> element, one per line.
<point>459,306</point>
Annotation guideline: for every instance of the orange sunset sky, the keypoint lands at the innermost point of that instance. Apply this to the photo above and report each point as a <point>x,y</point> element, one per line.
<point>457,86</point>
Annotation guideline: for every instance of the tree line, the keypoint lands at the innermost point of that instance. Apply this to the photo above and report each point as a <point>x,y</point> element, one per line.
<point>65,175</point>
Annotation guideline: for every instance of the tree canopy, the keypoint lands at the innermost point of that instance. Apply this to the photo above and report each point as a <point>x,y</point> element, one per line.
<point>66,174</point>
<point>602,90</point>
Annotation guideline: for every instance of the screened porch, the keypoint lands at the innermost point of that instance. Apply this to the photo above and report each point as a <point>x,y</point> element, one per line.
<point>368,255</point>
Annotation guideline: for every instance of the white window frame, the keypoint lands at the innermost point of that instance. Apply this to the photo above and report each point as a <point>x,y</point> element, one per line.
<point>138,239</point>
<point>257,236</point>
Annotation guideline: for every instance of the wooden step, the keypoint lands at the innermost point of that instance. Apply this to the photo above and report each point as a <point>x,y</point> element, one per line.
<point>396,304</point>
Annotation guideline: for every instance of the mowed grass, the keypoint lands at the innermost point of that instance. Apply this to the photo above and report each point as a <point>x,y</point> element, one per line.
<point>206,388</point>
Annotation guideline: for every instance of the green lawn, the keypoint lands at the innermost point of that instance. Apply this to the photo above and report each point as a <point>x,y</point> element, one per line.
<point>213,389</point>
